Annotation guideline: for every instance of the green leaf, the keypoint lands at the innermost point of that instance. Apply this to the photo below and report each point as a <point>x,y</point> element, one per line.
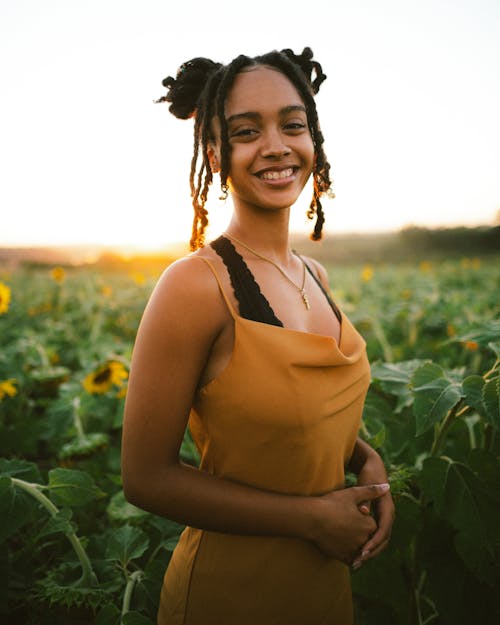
<point>495,347</point>
<point>462,500</point>
<point>486,465</point>
<point>72,488</point>
<point>472,387</point>
<point>108,615</point>
<point>170,543</point>
<point>491,401</point>
<point>27,471</point>
<point>16,508</point>
<point>401,479</point>
<point>154,571</point>
<point>408,522</point>
<point>127,543</point>
<point>435,395</point>
<point>50,374</point>
<point>166,527</point>
<point>119,509</point>
<point>60,522</point>
<point>378,439</point>
<point>188,451</point>
<point>134,618</point>
<point>84,446</point>
<point>488,333</point>
<point>376,408</point>
<point>394,378</point>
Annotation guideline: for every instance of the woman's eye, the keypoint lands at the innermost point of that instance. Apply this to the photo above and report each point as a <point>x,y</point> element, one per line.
<point>295,126</point>
<point>243,132</point>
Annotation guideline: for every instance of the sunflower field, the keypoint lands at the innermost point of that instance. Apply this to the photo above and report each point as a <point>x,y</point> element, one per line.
<point>72,550</point>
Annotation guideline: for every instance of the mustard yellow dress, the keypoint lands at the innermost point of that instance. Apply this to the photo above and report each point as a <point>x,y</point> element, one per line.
<point>282,416</point>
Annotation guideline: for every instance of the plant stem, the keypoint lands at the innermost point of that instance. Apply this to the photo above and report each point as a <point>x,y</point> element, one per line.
<point>382,339</point>
<point>492,370</point>
<point>489,436</point>
<point>43,354</point>
<point>88,576</point>
<point>133,578</point>
<point>364,429</point>
<point>77,422</point>
<point>96,327</point>
<point>443,430</point>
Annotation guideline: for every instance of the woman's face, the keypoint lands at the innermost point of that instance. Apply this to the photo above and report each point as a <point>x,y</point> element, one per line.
<point>272,152</point>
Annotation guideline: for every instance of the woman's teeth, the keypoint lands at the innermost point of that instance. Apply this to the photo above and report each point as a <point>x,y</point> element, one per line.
<point>277,175</point>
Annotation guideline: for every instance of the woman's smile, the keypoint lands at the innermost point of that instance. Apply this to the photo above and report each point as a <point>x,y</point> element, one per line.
<point>276,173</point>
<point>278,176</point>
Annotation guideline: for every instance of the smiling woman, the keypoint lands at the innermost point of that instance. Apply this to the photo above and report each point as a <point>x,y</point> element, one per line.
<point>242,341</point>
<point>212,120</point>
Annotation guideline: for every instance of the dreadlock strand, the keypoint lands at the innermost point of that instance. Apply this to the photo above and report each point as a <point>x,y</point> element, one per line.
<point>317,233</point>
<point>223,89</point>
<point>194,159</point>
<point>200,221</point>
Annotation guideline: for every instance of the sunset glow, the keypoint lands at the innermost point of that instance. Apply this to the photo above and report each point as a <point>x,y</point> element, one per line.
<point>409,113</point>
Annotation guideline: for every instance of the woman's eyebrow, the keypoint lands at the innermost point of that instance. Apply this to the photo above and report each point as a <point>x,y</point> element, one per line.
<point>292,108</point>
<point>251,115</point>
<point>247,115</point>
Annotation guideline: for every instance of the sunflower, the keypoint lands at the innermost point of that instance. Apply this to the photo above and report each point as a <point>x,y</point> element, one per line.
<point>112,373</point>
<point>138,277</point>
<point>58,274</point>
<point>4,298</point>
<point>367,273</point>
<point>472,346</point>
<point>122,392</point>
<point>7,388</point>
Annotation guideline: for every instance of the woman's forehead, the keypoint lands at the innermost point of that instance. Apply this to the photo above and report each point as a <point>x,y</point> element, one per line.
<point>260,86</point>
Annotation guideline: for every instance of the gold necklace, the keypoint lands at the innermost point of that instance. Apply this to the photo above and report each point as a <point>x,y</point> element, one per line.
<point>300,289</point>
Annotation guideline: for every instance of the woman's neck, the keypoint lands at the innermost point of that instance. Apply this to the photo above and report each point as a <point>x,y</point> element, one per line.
<point>268,235</point>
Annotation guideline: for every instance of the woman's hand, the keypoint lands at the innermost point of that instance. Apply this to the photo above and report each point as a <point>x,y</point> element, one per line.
<point>341,529</point>
<point>373,471</point>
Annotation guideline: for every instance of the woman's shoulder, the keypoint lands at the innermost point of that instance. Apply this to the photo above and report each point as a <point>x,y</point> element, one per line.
<point>188,287</point>
<point>189,270</point>
<point>318,270</point>
<point>189,273</point>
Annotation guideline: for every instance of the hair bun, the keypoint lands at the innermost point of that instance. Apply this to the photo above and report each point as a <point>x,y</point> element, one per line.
<point>185,89</point>
<point>308,66</point>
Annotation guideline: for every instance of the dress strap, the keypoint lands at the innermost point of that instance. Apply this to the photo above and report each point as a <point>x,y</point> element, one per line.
<point>333,305</point>
<point>252,303</point>
<point>226,299</point>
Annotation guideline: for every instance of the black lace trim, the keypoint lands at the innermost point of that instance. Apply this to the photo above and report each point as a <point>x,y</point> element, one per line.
<point>252,303</point>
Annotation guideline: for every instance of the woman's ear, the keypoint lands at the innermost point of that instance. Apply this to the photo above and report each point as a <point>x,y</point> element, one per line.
<point>213,158</point>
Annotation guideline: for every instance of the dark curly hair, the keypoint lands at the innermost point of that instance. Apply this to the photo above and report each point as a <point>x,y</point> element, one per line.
<point>200,89</point>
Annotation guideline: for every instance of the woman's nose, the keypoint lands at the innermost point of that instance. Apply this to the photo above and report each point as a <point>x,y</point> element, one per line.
<point>274,144</point>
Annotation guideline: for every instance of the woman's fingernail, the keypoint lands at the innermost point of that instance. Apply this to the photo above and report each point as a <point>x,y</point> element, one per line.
<point>385,486</point>
<point>365,553</point>
<point>356,565</point>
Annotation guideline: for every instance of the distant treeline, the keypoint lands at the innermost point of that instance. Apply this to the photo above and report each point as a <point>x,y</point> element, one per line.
<point>410,244</point>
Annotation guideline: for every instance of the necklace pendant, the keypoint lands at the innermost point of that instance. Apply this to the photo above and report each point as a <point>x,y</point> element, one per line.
<point>306,300</point>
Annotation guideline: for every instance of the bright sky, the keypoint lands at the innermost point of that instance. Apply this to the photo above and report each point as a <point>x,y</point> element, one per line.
<point>410,111</point>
